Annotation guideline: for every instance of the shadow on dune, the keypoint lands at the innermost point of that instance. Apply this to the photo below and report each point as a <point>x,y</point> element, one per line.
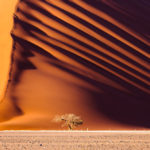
<point>124,108</point>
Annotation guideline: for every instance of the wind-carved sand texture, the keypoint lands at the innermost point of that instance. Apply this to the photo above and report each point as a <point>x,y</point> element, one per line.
<point>86,57</point>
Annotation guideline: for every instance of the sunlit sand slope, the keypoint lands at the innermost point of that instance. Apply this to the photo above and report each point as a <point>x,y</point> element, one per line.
<point>7,8</point>
<point>90,58</point>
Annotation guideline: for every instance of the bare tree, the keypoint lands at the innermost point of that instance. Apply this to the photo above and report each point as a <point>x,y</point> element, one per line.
<point>70,120</point>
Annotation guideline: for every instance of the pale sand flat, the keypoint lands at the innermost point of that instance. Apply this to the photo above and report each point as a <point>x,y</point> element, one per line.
<point>75,140</point>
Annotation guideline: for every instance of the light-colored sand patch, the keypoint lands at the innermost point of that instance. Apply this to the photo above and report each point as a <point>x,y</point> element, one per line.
<point>42,140</point>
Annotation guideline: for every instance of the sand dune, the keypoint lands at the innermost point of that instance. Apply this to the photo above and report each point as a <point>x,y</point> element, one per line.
<point>85,57</point>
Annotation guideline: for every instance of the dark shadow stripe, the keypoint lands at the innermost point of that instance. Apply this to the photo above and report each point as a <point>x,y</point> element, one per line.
<point>111,26</point>
<point>135,24</point>
<point>88,37</point>
<point>102,54</point>
<point>102,33</point>
<point>92,66</point>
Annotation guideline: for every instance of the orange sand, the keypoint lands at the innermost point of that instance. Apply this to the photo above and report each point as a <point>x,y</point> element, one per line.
<point>75,58</point>
<point>7,9</point>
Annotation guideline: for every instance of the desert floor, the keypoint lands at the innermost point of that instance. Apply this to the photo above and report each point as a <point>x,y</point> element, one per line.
<point>105,140</point>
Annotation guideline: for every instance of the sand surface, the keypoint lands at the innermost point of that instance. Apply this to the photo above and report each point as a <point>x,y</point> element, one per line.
<point>42,140</point>
<point>90,58</point>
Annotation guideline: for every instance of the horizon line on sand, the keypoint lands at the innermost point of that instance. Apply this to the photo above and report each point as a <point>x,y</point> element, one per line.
<point>103,131</point>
